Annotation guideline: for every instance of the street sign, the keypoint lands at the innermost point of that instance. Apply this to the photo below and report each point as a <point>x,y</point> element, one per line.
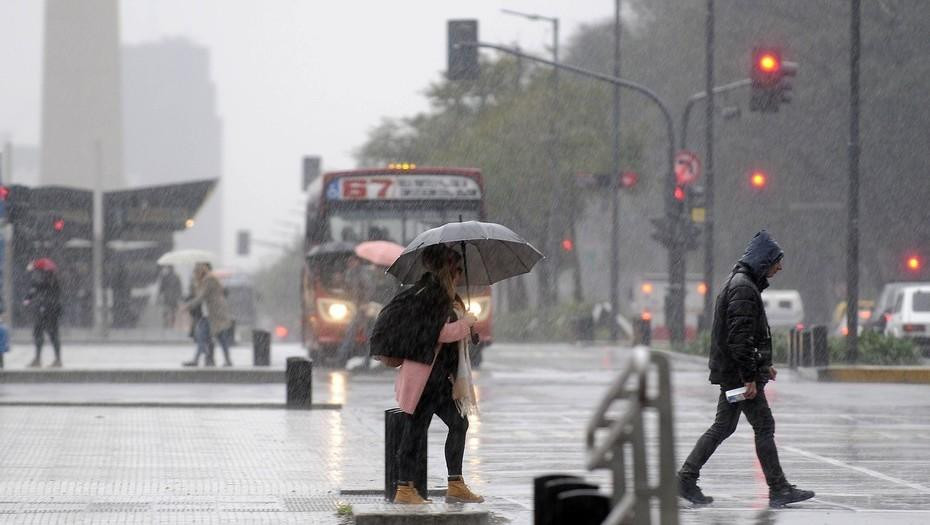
<point>687,167</point>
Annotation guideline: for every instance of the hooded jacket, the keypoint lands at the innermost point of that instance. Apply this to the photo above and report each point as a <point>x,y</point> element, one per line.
<point>741,343</point>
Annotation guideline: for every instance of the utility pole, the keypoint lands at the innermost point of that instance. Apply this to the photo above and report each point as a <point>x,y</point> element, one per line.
<point>707,317</point>
<point>852,228</point>
<point>614,185</point>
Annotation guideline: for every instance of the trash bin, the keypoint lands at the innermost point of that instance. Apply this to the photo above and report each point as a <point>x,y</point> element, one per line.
<point>261,348</point>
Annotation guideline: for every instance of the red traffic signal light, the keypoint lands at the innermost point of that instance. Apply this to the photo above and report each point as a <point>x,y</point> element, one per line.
<point>568,244</point>
<point>58,224</point>
<point>679,194</point>
<point>914,263</point>
<point>768,62</point>
<point>758,180</point>
<point>628,179</point>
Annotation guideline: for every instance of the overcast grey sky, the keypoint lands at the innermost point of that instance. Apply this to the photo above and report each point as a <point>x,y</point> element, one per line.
<point>293,77</point>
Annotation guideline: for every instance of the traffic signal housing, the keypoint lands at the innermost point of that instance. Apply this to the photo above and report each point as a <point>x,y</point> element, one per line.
<point>463,59</point>
<point>771,80</point>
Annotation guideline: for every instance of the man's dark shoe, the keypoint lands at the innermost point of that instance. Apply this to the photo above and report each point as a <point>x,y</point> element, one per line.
<point>786,494</point>
<point>688,489</point>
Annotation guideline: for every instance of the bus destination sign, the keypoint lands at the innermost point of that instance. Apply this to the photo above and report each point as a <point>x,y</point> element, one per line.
<point>403,187</point>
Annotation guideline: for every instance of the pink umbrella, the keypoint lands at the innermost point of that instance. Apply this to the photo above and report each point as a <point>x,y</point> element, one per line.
<point>382,253</point>
<point>45,264</point>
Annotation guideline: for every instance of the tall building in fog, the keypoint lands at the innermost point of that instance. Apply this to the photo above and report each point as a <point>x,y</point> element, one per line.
<point>81,120</point>
<point>171,130</point>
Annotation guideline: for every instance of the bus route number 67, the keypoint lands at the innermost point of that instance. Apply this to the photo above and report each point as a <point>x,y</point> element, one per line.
<point>358,188</point>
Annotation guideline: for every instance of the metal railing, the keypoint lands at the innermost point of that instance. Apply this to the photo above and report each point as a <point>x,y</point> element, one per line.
<point>608,437</point>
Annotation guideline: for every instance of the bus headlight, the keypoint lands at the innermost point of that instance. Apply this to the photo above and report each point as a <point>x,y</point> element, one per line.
<point>335,310</point>
<point>480,307</point>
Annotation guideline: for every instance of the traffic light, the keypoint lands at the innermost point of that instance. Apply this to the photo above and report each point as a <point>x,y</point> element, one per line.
<point>914,263</point>
<point>758,180</point>
<point>58,224</point>
<point>568,244</point>
<point>771,79</point>
<point>463,59</point>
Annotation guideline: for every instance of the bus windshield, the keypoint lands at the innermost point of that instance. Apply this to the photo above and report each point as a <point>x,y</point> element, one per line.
<point>395,224</point>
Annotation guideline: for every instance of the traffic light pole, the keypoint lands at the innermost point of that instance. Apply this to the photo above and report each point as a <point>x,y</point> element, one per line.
<point>673,209</point>
<point>707,316</point>
<point>852,227</point>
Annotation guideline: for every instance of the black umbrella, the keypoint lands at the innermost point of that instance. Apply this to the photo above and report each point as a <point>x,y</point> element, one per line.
<point>490,252</point>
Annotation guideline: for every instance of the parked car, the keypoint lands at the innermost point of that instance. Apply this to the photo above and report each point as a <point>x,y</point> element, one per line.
<point>783,308</point>
<point>882,310</point>
<point>910,315</point>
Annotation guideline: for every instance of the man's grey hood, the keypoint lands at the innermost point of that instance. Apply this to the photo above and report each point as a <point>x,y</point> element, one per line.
<point>761,254</point>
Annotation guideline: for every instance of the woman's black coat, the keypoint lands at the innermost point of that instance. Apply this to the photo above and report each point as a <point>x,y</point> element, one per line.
<point>408,327</point>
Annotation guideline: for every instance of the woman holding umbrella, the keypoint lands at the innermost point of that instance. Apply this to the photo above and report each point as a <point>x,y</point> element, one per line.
<point>44,298</point>
<point>432,326</point>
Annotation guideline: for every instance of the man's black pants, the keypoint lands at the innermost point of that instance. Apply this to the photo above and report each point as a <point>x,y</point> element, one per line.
<point>763,424</point>
<point>46,323</point>
<point>434,401</point>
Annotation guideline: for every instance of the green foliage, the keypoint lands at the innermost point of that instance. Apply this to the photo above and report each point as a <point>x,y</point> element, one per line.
<point>556,324</point>
<point>700,345</point>
<point>876,349</point>
<point>343,509</point>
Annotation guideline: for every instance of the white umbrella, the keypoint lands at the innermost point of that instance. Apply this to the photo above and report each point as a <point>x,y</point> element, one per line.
<point>187,257</point>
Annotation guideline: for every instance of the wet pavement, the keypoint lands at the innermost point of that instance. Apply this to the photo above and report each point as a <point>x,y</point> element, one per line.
<point>862,447</point>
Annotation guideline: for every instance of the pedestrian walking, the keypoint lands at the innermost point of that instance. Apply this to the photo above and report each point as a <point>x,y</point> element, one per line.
<point>359,290</point>
<point>196,314</point>
<point>217,323</point>
<point>169,295</point>
<point>44,299</point>
<point>741,356</point>
<point>428,321</point>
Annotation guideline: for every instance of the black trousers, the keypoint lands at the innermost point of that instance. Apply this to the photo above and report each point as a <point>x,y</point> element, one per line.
<point>436,400</point>
<point>46,323</point>
<point>759,416</point>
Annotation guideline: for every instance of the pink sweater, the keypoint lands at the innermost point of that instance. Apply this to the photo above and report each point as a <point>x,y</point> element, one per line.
<point>412,377</point>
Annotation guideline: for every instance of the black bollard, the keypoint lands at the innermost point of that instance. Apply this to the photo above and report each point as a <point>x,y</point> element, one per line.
<point>394,421</point>
<point>261,348</point>
<point>807,348</point>
<point>581,507</point>
<point>821,350</point>
<point>551,491</point>
<point>539,492</point>
<point>299,374</point>
<point>642,332</point>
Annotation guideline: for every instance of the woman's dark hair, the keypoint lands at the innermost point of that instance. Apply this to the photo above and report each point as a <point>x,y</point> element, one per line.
<point>437,256</point>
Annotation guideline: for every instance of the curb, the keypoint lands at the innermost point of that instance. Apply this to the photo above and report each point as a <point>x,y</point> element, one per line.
<point>219,375</point>
<point>165,404</point>
<point>867,374</point>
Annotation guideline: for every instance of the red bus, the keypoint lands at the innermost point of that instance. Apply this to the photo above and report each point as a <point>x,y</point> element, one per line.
<point>395,204</point>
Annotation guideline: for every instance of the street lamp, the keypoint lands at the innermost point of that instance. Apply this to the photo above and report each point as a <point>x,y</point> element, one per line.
<point>550,236</point>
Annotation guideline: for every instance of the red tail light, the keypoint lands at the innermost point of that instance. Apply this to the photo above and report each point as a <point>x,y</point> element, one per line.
<point>911,328</point>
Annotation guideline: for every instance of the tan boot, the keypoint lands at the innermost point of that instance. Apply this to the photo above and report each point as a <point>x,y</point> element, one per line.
<point>407,494</point>
<point>458,492</point>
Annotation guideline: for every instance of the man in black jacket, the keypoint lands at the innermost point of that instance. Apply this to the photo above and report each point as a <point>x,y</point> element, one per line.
<point>741,355</point>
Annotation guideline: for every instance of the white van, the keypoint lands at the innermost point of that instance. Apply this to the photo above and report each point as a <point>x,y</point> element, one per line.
<point>910,314</point>
<point>783,308</point>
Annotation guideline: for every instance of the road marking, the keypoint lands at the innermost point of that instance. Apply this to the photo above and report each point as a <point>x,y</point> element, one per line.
<point>862,470</point>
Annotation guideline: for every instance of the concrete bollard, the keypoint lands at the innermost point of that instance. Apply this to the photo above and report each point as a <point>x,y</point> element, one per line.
<point>394,421</point>
<point>581,507</point>
<point>261,348</point>
<point>299,375</point>
<point>539,493</point>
